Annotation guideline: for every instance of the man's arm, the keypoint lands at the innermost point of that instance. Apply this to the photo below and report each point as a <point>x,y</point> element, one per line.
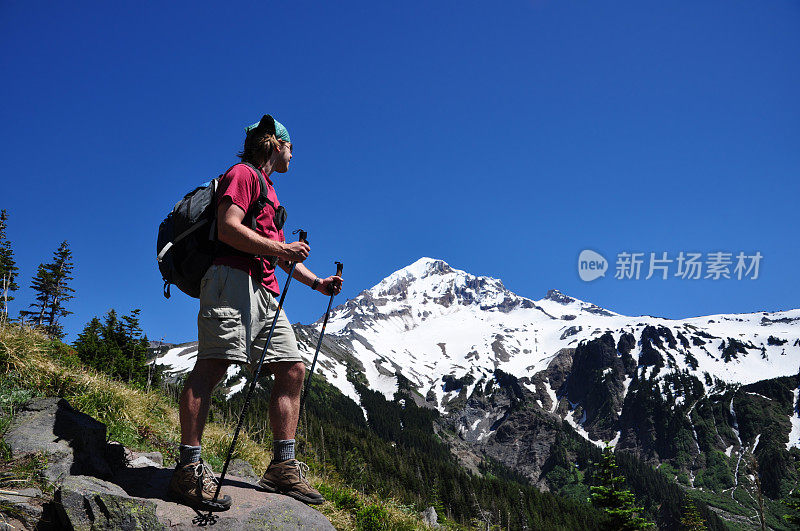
<point>230,230</point>
<point>304,275</point>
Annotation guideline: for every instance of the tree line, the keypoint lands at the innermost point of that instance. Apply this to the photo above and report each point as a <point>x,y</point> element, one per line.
<point>116,346</point>
<point>51,284</point>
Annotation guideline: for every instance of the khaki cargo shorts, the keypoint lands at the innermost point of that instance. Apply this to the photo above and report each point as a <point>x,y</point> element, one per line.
<point>235,317</point>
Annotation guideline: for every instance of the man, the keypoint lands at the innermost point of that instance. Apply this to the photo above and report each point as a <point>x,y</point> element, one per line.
<point>238,301</point>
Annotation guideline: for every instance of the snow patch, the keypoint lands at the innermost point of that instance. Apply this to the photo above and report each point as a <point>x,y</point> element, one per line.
<point>794,434</point>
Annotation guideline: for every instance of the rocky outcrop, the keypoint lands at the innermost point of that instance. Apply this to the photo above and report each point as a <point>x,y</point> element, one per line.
<point>596,384</point>
<point>88,503</point>
<point>430,518</point>
<point>655,340</point>
<point>75,443</point>
<point>103,485</point>
<point>523,442</point>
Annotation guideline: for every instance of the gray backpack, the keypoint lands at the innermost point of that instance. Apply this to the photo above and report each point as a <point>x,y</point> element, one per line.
<point>187,238</point>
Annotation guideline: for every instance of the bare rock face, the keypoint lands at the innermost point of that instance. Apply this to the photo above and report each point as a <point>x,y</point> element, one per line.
<point>102,485</point>
<point>559,368</point>
<point>523,442</point>
<point>87,503</point>
<point>75,442</point>
<point>596,383</point>
<point>430,517</point>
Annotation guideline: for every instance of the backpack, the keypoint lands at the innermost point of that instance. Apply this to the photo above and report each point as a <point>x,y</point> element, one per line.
<point>187,238</point>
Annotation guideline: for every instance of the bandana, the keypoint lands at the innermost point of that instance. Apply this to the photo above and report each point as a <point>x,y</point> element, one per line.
<point>270,125</point>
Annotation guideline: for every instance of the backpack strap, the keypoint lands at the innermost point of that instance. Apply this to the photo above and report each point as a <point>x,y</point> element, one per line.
<point>262,201</point>
<point>257,206</point>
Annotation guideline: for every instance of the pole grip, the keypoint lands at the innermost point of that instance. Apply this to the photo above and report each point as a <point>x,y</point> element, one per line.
<point>339,268</point>
<point>303,235</point>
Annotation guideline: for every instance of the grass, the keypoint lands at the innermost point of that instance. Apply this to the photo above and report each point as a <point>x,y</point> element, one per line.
<point>32,365</point>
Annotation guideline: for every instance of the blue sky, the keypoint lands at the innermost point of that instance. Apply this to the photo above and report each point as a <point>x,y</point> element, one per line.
<point>504,139</point>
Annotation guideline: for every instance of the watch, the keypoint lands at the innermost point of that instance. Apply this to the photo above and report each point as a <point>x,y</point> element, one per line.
<point>315,283</point>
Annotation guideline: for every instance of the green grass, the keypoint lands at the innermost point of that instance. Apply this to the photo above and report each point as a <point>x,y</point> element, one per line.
<point>32,365</point>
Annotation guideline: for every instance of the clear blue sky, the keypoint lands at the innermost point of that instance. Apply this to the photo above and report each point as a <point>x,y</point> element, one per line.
<point>503,138</point>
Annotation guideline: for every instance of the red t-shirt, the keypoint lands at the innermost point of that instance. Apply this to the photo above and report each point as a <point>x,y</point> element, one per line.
<point>241,185</point>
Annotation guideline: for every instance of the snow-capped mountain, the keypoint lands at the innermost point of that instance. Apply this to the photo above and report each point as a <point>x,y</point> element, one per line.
<point>429,321</point>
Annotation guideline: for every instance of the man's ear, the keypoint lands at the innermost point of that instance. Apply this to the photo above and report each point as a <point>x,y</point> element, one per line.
<point>274,154</point>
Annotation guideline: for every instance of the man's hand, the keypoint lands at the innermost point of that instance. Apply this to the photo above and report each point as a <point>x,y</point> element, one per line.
<point>330,286</point>
<point>296,251</point>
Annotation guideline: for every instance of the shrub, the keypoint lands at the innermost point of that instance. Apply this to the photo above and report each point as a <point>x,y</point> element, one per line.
<point>372,518</point>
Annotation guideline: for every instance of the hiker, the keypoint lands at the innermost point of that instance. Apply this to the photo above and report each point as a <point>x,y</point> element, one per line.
<point>237,306</point>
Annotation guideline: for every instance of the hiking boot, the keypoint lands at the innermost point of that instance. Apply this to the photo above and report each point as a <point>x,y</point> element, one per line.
<point>194,485</point>
<point>288,477</point>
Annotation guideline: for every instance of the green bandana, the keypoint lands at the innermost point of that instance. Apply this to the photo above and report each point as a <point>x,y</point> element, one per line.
<point>280,131</point>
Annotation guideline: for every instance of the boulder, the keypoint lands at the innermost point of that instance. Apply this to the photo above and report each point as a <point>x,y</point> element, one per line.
<point>75,442</point>
<point>26,506</point>
<point>241,468</point>
<point>102,485</point>
<point>430,518</point>
<point>88,503</point>
<point>251,509</point>
<point>144,459</point>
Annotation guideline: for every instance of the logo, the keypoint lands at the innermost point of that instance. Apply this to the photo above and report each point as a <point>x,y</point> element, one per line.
<point>591,265</point>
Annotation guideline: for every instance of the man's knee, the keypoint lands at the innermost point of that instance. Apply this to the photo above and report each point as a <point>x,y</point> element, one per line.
<point>289,372</point>
<point>211,371</point>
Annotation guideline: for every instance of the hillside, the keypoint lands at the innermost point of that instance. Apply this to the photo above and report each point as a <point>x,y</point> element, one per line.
<point>34,366</point>
<point>363,476</point>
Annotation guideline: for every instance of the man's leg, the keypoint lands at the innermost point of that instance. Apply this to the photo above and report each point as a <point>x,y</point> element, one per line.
<point>196,398</point>
<point>286,474</point>
<point>192,482</point>
<point>284,401</point>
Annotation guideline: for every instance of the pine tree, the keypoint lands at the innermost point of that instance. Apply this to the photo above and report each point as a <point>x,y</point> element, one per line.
<point>610,496</point>
<point>8,268</point>
<point>52,291</point>
<point>115,347</point>
<point>41,285</point>
<point>691,519</point>
<point>793,503</point>
<point>61,268</point>
<point>136,343</point>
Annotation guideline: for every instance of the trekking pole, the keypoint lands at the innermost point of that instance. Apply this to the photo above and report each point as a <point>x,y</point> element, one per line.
<point>303,238</point>
<point>339,268</point>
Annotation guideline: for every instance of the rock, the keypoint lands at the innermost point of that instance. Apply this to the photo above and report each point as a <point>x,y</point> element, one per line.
<point>281,513</point>
<point>252,508</point>
<point>596,384</point>
<point>241,468</point>
<point>429,517</point>
<point>75,442</point>
<point>571,331</point>
<point>103,485</point>
<point>144,459</point>
<point>26,504</point>
<point>87,503</point>
<point>523,442</point>
<point>20,495</point>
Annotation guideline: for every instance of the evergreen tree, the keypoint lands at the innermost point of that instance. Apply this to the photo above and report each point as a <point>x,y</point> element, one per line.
<point>52,291</point>
<point>135,342</point>
<point>793,503</point>
<point>691,519</point>
<point>115,347</point>
<point>8,268</point>
<point>41,285</point>
<point>610,495</point>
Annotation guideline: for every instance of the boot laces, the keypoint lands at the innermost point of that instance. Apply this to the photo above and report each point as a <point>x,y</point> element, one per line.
<point>203,472</point>
<point>302,469</point>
